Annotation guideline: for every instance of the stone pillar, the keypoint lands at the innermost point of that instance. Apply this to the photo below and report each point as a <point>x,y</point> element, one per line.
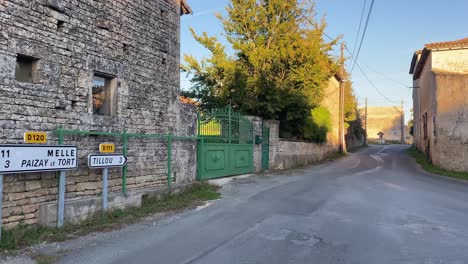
<point>257,130</point>
<point>274,139</point>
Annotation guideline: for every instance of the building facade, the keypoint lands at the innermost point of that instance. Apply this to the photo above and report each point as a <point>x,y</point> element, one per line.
<point>440,80</point>
<point>387,121</point>
<point>110,65</point>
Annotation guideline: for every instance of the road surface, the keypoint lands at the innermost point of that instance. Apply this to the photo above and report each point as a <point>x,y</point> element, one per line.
<point>375,206</point>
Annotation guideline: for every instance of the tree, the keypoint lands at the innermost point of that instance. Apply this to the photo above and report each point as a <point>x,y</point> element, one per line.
<point>279,67</point>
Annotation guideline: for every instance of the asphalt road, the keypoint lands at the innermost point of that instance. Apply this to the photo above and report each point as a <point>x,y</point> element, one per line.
<point>375,206</point>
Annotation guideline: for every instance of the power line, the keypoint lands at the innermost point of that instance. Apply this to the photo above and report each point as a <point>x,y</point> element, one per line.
<point>360,25</point>
<point>369,80</point>
<point>363,35</point>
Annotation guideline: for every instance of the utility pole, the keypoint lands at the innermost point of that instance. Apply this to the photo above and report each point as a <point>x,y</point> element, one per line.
<point>365,124</point>
<point>342,90</point>
<point>402,124</point>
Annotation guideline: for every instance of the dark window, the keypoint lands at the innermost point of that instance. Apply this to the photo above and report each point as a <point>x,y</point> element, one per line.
<point>26,68</point>
<point>425,125</point>
<point>103,95</point>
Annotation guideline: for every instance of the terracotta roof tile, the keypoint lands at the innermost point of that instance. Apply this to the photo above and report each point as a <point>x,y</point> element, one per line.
<point>448,44</point>
<point>185,8</point>
<point>417,66</point>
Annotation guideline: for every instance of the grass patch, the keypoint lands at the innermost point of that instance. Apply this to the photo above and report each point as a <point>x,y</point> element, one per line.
<point>22,235</point>
<point>426,164</point>
<point>44,259</point>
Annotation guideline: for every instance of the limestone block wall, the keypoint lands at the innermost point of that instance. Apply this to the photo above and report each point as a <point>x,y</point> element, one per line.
<point>286,154</point>
<point>134,42</point>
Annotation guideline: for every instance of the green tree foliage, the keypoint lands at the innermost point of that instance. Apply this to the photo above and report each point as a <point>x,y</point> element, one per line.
<point>279,66</point>
<point>318,125</point>
<point>353,121</point>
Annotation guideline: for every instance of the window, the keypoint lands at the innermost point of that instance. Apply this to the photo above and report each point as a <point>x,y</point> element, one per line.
<point>103,95</point>
<point>26,68</point>
<point>425,125</point>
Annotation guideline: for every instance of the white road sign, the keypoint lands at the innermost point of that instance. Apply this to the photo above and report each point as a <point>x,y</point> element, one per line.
<point>106,160</point>
<point>35,158</point>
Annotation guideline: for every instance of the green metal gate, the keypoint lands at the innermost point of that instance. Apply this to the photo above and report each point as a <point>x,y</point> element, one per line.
<point>225,144</point>
<point>265,148</point>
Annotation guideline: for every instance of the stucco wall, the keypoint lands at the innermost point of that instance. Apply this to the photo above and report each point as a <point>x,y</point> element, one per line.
<point>454,60</point>
<point>450,136</point>
<point>332,103</point>
<point>135,42</point>
<point>384,119</point>
<point>441,94</point>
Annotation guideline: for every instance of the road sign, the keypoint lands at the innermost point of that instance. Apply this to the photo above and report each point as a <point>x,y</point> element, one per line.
<point>107,148</point>
<point>35,137</point>
<point>35,158</point>
<point>106,160</point>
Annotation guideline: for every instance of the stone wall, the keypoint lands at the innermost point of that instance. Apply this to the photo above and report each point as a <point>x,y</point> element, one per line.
<point>286,154</point>
<point>134,42</point>
<point>257,124</point>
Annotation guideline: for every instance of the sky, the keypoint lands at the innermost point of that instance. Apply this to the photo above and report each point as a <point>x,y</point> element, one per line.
<point>397,28</point>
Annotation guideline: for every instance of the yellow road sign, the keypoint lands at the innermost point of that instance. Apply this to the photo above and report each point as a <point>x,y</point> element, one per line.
<point>35,137</point>
<point>107,148</point>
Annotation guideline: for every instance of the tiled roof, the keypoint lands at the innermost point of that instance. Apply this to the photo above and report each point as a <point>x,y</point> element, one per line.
<point>185,8</point>
<point>418,65</point>
<point>461,43</point>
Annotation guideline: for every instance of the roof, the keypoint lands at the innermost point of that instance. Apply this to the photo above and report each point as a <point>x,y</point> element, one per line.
<point>338,77</point>
<point>418,65</point>
<point>461,43</point>
<point>185,8</point>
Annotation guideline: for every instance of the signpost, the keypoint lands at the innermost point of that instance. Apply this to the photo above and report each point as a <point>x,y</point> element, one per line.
<point>37,158</point>
<point>106,161</point>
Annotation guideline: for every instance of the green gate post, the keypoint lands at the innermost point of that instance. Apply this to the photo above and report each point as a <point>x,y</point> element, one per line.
<point>229,125</point>
<point>124,170</point>
<point>169,161</point>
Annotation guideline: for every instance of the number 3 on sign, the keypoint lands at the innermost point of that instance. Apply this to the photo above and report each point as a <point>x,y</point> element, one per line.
<point>5,154</point>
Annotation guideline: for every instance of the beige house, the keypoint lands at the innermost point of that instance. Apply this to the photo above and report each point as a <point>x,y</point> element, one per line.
<point>440,97</point>
<point>387,120</point>
<point>332,103</point>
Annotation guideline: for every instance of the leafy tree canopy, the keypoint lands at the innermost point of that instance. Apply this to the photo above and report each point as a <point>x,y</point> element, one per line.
<point>279,66</point>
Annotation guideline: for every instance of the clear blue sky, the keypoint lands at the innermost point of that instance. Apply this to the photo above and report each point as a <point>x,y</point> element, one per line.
<point>396,29</point>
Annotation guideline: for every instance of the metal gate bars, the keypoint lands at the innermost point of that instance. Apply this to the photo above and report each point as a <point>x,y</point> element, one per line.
<point>225,144</point>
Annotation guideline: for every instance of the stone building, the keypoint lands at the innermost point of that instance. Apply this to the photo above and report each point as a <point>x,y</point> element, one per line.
<point>91,65</point>
<point>332,103</point>
<point>388,120</point>
<point>440,80</point>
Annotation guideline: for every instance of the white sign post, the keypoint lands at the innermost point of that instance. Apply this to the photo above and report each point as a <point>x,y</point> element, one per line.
<point>104,162</point>
<point>35,158</point>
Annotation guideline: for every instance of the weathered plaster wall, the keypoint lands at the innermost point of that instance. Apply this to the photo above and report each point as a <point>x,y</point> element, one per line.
<point>137,42</point>
<point>450,135</point>
<point>454,60</point>
<point>384,119</point>
<point>332,103</point>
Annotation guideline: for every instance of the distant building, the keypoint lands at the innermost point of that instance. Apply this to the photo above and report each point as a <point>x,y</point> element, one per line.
<point>385,123</point>
<point>440,96</point>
